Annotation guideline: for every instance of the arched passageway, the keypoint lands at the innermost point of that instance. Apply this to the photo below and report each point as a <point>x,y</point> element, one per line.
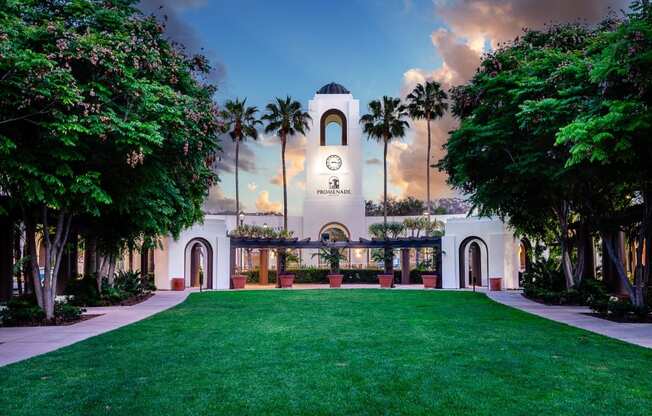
<point>474,262</point>
<point>199,264</point>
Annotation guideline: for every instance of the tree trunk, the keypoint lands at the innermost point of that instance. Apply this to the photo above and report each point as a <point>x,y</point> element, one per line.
<point>18,255</point>
<point>111,268</point>
<point>90,255</point>
<point>385,187</point>
<point>6,259</point>
<point>68,268</point>
<point>428,170</point>
<point>46,288</point>
<point>388,257</point>
<point>285,188</point>
<point>620,269</point>
<point>566,264</point>
<point>237,183</point>
<point>100,272</point>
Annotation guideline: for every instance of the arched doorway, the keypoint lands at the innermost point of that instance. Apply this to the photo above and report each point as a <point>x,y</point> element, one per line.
<point>474,262</point>
<point>335,231</point>
<point>199,264</point>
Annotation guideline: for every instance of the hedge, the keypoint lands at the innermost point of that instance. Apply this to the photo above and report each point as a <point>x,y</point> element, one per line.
<point>313,275</point>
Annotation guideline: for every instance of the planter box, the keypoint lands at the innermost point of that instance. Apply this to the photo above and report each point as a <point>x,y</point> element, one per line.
<point>495,284</point>
<point>335,280</point>
<point>286,280</point>
<point>238,281</point>
<point>178,284</point>
<point>385,280</point>
<point>430,281</point>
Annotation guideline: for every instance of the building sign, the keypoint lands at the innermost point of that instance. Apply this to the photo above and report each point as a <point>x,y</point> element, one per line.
<point>333,188</point>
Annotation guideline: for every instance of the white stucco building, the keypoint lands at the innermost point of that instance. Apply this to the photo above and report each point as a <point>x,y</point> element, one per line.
<point>473,249</point>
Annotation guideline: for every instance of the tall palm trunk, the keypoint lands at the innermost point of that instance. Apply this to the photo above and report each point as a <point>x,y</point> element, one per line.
<point>281,252</point>
<point>237,182</point>
<point>285,188</point>
<point>385,186</point>
<point>428,169</point>
<point>387,255</point>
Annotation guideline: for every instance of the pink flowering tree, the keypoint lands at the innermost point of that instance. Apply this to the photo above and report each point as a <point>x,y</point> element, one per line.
<point>106,128</point>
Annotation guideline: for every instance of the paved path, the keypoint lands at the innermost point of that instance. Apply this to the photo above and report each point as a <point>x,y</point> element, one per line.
<point>639,334</point>
<point>18,344</point>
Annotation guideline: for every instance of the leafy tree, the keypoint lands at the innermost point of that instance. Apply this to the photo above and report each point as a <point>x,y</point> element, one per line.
<point>613,138</point>
<point>104,123</point>
<point>396,207</point>
<point>286,118</point>
<point>384,123</point>
<point>504,153</point>
<point>427,102</point>
<point>240,121</point>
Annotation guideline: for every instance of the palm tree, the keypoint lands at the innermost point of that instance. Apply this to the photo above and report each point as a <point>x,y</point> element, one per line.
<point>385,122</point>
<point>285,118</point>
<point>427,102</point>
<point>240,122</point>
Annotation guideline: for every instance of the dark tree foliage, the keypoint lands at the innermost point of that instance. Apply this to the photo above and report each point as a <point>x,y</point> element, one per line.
<point>103,123</point>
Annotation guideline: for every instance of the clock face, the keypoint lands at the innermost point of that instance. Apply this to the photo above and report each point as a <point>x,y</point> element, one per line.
<point>333,162</point>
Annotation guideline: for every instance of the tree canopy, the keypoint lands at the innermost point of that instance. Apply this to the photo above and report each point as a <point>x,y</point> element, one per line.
<point>554,134</point>
<point>103,122</point>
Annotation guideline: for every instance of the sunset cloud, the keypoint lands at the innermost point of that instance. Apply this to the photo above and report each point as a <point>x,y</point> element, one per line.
<point>247,157</point>
<point>471,24</point>
<point>295,161</point>
<point>263,203</point>
<point>177,30</point>
<point>218,203</point>
<point>252,186</point>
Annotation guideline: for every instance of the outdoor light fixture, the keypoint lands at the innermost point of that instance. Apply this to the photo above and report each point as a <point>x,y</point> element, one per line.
<point>241,217</point>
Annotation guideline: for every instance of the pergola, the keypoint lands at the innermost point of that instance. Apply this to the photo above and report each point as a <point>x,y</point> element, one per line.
<point>402,243</point>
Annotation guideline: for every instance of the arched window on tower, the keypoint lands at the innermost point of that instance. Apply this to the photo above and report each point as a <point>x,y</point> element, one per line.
<point>333,130</point>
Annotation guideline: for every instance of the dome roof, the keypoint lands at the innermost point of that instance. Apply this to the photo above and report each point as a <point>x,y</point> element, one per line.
<point>333,88</point>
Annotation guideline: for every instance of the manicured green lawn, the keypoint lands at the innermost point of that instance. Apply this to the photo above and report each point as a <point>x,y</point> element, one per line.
<point>324,352</point>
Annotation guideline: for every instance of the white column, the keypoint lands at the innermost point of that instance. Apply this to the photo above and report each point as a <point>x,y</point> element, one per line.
<point>221,263</point>
<point>450,274</point>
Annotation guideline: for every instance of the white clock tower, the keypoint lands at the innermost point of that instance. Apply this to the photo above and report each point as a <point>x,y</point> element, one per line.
<point>334,165</point>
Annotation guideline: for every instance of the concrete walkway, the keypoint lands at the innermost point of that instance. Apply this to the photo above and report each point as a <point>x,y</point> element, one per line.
<point>17,344</point>
<point>639,334</point>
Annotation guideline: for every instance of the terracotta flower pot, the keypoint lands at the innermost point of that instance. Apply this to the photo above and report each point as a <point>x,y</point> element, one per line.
<point>430,281</point>
<point>287,280</point>
<point>178,284</point>
<point>495,284</point>
<point>335,280</point>
<point>385,280</point>
<point>239,281</point>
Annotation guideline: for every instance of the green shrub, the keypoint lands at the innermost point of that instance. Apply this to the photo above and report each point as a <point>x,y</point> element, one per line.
<point>67,312</point>
<point>134,283</point>
<point>24,310</point>
<point>618,307</point>
<point>315,275</point>
<point>545,281</point>
<point>83,291</point>
<point>125,285</point>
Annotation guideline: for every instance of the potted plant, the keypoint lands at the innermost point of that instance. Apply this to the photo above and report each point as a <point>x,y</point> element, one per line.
<point>287,280</point>
<point>385,279</point>
<point>333,257</point>
<point>429,279</point>
<point>239,281</point>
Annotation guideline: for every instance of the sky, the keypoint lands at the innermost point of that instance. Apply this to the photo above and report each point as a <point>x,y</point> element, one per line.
<point>262,49</point>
